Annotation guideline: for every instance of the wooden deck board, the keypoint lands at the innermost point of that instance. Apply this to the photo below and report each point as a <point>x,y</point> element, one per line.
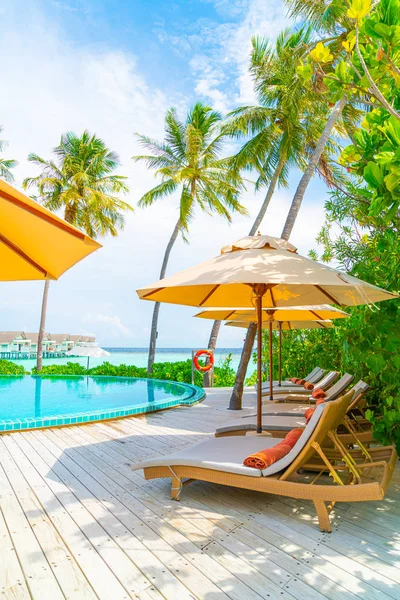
<point>77,522</point>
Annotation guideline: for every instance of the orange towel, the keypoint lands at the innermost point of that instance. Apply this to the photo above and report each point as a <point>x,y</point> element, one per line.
<point>265,458</point>
<point>318,393</point>
<point>308,414</point>
<point>308,386</point>
<point>293,379</point>
<point>300,382</point>
<point>320,401</point>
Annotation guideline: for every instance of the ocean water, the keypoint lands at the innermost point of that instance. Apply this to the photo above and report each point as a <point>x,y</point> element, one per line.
<point>138,357</point>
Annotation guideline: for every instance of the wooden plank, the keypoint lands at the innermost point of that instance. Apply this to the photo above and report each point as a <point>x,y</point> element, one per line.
<point>38,574</point>
<point>12,580</point>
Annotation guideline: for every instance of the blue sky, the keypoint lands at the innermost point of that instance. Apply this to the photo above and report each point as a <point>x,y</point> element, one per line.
<point>114,67</point>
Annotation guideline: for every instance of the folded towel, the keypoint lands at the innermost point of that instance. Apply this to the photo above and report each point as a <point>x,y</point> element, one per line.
<point>293,379</point>
<point>318,393</point>
<point>310,411</point>
<point>263,459</point>
<point>309,386</point>
<point>300,382</point>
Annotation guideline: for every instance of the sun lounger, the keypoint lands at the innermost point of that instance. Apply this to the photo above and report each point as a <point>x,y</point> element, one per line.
<point>279,423</point>
<point>220,460</point>
<point>332,392</point>
<point>324,383</point>
<point>315,375</point>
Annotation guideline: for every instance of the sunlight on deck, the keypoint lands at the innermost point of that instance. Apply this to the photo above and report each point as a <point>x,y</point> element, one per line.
<point>77,522</point>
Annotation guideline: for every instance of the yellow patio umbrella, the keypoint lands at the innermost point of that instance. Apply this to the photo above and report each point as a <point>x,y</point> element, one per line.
<point>281,326</point>
<point>34,242</point>
<point>259,271</point>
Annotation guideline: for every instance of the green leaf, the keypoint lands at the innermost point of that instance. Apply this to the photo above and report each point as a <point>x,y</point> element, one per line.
<point>384,31</point>
<point>392,182</point>
<point>384,158</point>
<point>373,175</point>
<point>305,72</point>
<point>342,72</point>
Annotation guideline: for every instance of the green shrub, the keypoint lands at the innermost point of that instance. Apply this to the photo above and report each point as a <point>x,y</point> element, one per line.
<point>7,367</point>
<point>118,370</point>
<point>69,369</point>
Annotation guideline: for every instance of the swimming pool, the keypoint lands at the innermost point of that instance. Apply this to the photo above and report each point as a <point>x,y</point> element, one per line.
<point>29,402</point>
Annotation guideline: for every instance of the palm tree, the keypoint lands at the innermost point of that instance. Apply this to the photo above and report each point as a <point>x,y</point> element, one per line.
<point>189,161</point>
<point>276,126</point>
<point>6,164</point>
<point>79,182</point>
<point>318,145</point>
<point>282,129</point>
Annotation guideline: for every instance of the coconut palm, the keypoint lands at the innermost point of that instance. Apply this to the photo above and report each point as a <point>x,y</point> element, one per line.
<point>79,181</point>
<point>189,162</point>
<point>283,128</point>
<point>6,164</point>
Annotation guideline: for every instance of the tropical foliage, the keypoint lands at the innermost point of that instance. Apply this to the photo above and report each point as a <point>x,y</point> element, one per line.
<point>79,181</point>
<point>7,367</point>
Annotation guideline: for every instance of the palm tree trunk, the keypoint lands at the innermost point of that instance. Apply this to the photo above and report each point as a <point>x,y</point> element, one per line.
<point>235,402</point>
<point>39,358</point>
<point>212,342</point>
<point>236,398</point>
<point>310,169</point>
<point>154,322</point>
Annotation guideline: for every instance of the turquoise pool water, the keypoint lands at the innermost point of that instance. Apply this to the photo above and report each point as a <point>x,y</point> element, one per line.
<point>29,402</point>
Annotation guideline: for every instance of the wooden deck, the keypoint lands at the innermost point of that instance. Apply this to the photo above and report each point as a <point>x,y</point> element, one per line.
<point>76,522</point>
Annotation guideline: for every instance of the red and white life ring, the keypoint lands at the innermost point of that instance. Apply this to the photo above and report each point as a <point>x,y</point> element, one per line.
<point>207,367</point>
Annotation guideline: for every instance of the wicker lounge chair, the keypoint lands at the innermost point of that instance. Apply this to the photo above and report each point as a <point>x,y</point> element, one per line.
<point>220,460</point>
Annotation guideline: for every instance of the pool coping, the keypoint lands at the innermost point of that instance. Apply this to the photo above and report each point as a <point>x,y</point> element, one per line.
<point>83,418</point>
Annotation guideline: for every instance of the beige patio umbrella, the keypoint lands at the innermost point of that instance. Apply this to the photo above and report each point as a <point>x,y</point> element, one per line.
<point>259,271</point>
<point>281,326</point>
<point>34,242</point>
<point>275,316</point>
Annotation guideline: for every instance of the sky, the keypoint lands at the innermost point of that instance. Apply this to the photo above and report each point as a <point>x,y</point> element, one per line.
<point>114,68</point>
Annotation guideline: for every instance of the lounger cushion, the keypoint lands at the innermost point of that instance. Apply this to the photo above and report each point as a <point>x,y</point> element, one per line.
<point>221,454</point>
<point>227,453</point>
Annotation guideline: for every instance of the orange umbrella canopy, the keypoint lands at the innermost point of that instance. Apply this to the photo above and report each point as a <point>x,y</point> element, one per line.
<point>34,242</point>
<point>286,277</point>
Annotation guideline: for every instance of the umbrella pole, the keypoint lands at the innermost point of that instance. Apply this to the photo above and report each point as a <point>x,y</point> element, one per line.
<point>280,354</point>
<point>259,362</point>
<point>271,370</point>
<point>87,366</point>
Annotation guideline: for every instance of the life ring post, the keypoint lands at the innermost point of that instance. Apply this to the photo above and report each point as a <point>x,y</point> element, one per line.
<point>196,354</point>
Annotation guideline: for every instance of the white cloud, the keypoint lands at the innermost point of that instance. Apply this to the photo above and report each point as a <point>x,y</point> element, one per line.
<point>117,327</point>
